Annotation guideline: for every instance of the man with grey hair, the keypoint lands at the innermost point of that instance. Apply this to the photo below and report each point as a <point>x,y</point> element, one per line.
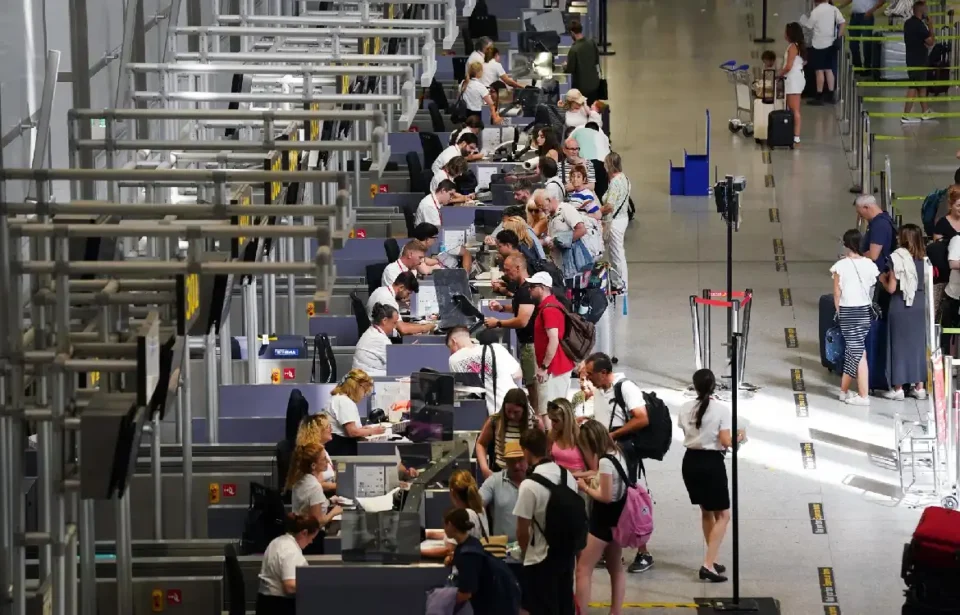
<point>571,158</point>
<point>480,50</point>
<point>563,218</point>
<point>881,236</point>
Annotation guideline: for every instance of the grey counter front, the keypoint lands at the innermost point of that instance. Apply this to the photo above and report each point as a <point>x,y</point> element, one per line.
<point>367,589</point>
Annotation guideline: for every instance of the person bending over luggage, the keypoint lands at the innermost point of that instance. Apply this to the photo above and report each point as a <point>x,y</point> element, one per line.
<point>480,579</point>
<point>608,501</point>
<point>493,70</point>
<point>475,95</point>
<point>310,462</point>
<point>450,172</point>
<point>547,579</point>
<point>345,415</point>
<point>508,425</point>
<point>707,433</point>
<point>465,496</point>
<point>623,417</point>
<point>278,572</point>
<point>497,367</point>
<point>467,146</point>
<point>854,277</point>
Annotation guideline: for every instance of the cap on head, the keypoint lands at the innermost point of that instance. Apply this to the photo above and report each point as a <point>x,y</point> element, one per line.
<point>541,278</point>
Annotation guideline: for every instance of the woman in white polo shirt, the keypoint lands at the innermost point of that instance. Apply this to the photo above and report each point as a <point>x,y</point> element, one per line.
<point>475,95</point>
<point>310,463</point>
<point>345,415</point>
<point>493,70</point>
<point>278,572</point>
<point>370,354</point>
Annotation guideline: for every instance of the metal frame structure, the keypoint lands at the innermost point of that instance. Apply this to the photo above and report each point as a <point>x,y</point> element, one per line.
<point>739,322</point>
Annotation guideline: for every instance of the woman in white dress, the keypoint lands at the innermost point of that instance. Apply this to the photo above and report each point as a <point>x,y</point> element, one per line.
<point>792,74</point>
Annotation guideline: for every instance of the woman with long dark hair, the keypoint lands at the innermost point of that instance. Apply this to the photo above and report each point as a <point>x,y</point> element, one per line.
<point>547,143</point>
<point>706,424</point>
<point>907,315</point>
<point>853,280</point>
<point>794,59</point>
<point>508,425</point>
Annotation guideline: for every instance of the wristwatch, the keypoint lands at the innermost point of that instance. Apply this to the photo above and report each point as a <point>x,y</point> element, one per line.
<point>544,367</point>
<point>499,324</point>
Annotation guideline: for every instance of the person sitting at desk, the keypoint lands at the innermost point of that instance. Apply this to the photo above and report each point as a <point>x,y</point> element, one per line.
<point>472,124</point>
<point>499,491</point>
<point>508,425</point>
<point>370,354</point>
<point>399,292</point>
<point>498,370</point>
<point>464,495</point>
<point>493,70</point>
<point>411,259</point>
<point>278,572</point>
<point>316,430</point>
<point>304,481</point>
<point>429,209</point>
<point>450,172</point>
<point>345,416</point>
<point>467,147</point>
<point>429,235</point>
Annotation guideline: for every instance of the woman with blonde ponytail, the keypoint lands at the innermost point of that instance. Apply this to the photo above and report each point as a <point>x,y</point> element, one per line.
<point>309,463</point>
<point>464,494</point>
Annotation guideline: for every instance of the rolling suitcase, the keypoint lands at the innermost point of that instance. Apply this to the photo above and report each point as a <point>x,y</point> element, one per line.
<point>931,561</point>
<point>780,129</point>
<point>876,347</point>
<point>827,324</point>
<point>765,103</point>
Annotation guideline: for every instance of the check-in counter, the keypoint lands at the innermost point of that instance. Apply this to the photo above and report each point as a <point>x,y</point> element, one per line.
<point>345,587</point>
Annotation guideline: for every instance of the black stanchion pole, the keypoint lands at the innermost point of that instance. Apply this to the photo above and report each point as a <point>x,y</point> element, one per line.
<point>763,28</point>
<point>603,44</point>
<point>735,481</point>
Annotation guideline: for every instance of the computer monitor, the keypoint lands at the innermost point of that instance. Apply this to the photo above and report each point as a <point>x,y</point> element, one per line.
<point>430,388</point>
<point>533,42</point>
<point>430,424</point>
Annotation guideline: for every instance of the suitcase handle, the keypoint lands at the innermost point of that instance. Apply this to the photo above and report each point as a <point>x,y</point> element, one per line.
<point>772,74</point>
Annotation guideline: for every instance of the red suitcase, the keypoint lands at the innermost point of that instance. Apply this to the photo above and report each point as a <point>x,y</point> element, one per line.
<point>936,541</point>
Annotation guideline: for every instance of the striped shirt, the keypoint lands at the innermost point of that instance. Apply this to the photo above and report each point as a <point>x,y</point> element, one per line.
<point>566,167</point>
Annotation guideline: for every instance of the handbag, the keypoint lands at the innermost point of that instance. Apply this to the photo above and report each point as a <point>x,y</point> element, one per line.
<point>494,545</point>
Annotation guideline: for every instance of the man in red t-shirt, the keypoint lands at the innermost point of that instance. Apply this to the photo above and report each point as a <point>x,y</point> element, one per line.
<point>554,367</point>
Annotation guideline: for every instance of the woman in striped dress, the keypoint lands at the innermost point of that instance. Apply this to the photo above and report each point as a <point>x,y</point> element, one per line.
<point>853,280</point>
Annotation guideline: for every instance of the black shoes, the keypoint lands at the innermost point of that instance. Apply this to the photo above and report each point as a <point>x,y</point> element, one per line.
<point>641,563</point>
<point>713,577</point>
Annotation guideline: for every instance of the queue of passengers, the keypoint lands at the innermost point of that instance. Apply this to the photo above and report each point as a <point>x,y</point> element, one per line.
<point>527,462</point>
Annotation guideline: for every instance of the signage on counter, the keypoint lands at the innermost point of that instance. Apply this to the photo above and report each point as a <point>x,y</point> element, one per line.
<point>156,601</point>
<point>311,308</point>
<point>214,492</point>
<point>289,373</point>
<point>229,490</point>
<point>174,597</point>
<point>275,375</point>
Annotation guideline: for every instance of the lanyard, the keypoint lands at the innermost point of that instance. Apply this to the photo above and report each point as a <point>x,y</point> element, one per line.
<point>439,207</point>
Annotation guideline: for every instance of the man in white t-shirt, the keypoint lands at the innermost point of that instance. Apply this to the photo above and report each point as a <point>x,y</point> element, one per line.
<point>499,369</point>
<point>621,419</point>
<point>547,583</point>
<point>393,295</point>
<point>467,145</point>
<point>828,24</point>
<point>429,208</point>
<point>479,52</point>
<point>411,257</point>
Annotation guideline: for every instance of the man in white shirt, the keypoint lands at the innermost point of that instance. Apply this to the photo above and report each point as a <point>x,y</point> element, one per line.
<point>399,292</point>
<point>950,306</point>
<point>429,208</point>
<point>594,144</point>
<point>551,176</point>
<point>828,24</point>
<point>467,145</point>
<point>411,257</point>
<point>498,368</point>
<point>621,420</point>
<point>480,51</point>
<point>547,582</point>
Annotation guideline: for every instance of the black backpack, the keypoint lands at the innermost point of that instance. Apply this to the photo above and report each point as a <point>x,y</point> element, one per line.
<point>265,519</point>
<point>324,365</point>
<point>653,441</point>
<point>566,535</point>
<point>504,595</point>
<point>937,253</point>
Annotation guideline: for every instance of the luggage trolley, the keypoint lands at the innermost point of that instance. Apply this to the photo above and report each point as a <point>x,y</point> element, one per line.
<point>739,75</point>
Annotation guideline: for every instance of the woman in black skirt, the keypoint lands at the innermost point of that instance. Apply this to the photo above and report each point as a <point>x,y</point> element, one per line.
<point>706,425</point>
<point>604,457</point>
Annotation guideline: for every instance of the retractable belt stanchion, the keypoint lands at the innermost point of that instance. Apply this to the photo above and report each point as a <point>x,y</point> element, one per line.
<point>763,26</point>
<point>603,43</point>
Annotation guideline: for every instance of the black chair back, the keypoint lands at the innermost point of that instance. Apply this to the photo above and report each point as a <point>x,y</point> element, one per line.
<point>602,181</point>
<point>392,248</point>
<point>360,312</point>
<point>459,68</point>
<point>431,148</point>
<point>374,275</point>
<point>415,169</point>
<point>233,575</point>
<point>436,118</point>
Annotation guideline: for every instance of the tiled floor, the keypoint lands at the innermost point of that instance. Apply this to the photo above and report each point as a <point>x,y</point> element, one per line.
<point>662,79</point>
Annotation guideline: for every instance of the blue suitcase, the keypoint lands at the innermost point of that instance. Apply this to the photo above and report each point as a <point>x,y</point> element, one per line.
<point>876,345</point>
<point>829,347</point>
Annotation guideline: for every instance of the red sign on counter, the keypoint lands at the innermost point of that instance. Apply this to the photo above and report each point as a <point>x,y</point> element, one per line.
<point>384,188</point>
<point>289,373</point>
<point>229,490</point>
<point>175,596</point>
<point>361,233</point>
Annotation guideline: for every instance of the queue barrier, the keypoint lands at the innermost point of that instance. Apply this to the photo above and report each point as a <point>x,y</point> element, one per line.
<point>738,321</point>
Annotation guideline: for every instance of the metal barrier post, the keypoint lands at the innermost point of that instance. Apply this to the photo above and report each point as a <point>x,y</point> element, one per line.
<point>865,153</point>
<point>947,430</point>
<point>697,342</point>
<point>708,332</point>
<point>841,87</point>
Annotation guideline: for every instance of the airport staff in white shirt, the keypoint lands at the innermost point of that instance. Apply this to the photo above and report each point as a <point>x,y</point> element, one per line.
<point>475,95</point>
<point>411,257</point>
<point>467,146</point>
<point>450,172</point>
<point>429,208</point>
<point>278,572</point>
<point>399,292</point>
<point>370,355</point>
<point>480,51</point>
<point>344,414</point>
<point>493,70</point>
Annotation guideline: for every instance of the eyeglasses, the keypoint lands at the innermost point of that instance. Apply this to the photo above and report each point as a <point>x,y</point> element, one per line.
<point>572,149</point>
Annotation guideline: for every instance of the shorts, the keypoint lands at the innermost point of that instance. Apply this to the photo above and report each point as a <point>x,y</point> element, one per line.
<point>604,517</point>
<point>547,588</point>
<point>528,364</point>
<point>705,476</point>
<point>918,74</point>
<point>821,59</point>
<point>554,388</point>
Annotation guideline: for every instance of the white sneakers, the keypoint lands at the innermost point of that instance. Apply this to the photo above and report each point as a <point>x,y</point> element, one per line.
<point>893,395</point>
<point>917,120</point>
<point>856,400</point>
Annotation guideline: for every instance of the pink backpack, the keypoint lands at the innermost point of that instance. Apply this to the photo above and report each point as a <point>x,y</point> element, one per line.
<point>636,521</point>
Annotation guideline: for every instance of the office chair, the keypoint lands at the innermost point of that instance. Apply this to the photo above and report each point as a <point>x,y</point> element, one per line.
<point>359,312</point>
<point>436,118</point>
<point>431,148</point>
<point>459,68</point>
<point>374,273</point>
<point>415,169</point>
<point>392,248</point>
<point>602,181</point>
<point>410,218</point>
<point>233,575</point>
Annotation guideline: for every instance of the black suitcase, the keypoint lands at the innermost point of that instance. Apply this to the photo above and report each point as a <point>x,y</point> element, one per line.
<point>780,128</point>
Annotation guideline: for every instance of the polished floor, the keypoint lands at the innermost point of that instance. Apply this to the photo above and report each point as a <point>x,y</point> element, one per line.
<point>663,78</point>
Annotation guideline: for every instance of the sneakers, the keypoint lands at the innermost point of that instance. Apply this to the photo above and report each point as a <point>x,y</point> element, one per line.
<point>893,395</point>
<point>843,395</point>
<point>641,563</point>
<point>910,120</point>
<point>920,394</point>
<point>855,400</point>
<point>927,117</point>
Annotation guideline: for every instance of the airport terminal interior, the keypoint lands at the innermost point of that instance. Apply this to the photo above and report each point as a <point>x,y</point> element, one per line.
<point>176,265</point>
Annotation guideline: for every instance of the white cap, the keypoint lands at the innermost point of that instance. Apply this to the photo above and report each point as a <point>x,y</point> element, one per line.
<point>542,278</point>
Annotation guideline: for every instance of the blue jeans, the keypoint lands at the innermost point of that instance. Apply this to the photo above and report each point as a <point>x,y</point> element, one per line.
<point>870,57</point>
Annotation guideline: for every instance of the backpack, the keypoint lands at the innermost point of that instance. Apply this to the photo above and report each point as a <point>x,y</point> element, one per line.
<point>928,211</point>
<point>567,535</point>
<point>937,253</point>
<point>653,441</point>
<point>939,61</point>
<point>635,526</point>
<point>264,521</point>
<point>323,356</point>
<point>504,589</point>
<point>579,335</point>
